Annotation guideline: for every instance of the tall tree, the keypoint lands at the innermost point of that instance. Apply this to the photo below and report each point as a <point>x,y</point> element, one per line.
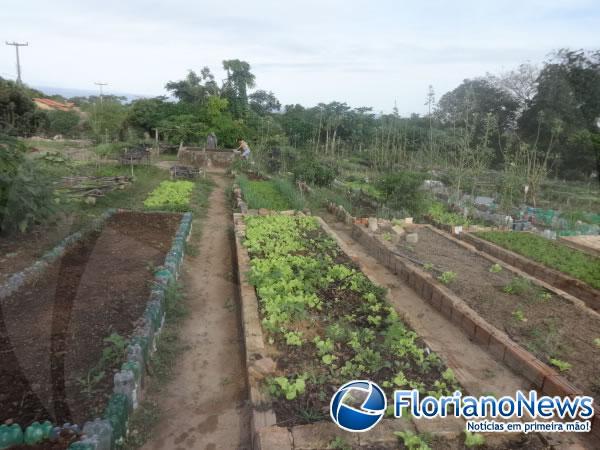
<point>235,88</point>
<point>263,102</point>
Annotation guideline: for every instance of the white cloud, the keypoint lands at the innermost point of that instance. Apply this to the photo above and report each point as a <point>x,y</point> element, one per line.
<point>362,52</point>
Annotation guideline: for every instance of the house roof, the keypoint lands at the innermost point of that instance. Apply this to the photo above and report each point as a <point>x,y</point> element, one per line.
<point>46,103</point>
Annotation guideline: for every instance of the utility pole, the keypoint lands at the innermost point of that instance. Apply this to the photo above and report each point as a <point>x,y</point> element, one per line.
<point>17,45</point>
<point>101,85</point>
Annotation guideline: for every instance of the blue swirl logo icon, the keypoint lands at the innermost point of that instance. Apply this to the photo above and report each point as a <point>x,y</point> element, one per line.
<point>358,406</point>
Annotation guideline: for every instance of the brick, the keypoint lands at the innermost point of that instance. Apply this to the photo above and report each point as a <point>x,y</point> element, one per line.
<point>468,325</point>
<point>427,291</point>
<point>447,308</point>
<point>447,427</point>
<point>596,425</point>
<point>557,385</point>
<point>436,299</point>
<point>497,346</point>
<point>482,334</point>
<point>319,435</point>
<point>526,364</point>
<point>273,438</point>
<point>382,435</point>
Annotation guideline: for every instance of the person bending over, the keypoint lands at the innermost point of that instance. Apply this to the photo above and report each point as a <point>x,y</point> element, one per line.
<point>243,146</point>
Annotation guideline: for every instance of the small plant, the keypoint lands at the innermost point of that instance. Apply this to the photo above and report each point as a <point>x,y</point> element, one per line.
<point>339,444</point>
<point>545,296</point>
<point>428,266</point>
<point>597,342</point>
<point>293,338</point>
<point>496,268</point>
<point>114,351</point>
<point>447,277</point>
<point>519,316</point>
<point>412,441</point>
<point>563,366</point>
<point>474,440</point>
<point>90,381</point>
<point>387,236</point>
<point>517,286</point>
<point>290,389</point>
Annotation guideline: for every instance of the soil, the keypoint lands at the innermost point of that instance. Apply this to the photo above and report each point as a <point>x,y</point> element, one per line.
<point>549,328</point>
<point>204,405</point>
<point>19,250</point>
<point>52,329</point>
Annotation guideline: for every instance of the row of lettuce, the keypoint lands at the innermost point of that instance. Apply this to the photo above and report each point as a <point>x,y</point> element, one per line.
<point>328,321</point>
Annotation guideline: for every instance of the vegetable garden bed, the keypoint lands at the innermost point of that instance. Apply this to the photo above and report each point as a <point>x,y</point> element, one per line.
<point>549,253</point>
<point>327,322</point>
<point>562,267</point>
<point>555,330</point>
<point>64,334</point>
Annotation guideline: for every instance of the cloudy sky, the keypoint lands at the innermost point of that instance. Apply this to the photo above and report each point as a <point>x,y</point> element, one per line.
<point>363,52</point>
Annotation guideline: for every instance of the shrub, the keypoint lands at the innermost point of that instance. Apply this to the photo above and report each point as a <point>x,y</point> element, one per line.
<point>26,194</point>
<point>401,191</point>
<point>313,172</point>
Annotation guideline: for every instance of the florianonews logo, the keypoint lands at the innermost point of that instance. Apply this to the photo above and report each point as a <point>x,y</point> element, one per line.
<point>358,406</point>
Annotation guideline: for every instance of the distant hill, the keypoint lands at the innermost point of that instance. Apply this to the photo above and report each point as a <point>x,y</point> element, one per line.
<point>68,92</point>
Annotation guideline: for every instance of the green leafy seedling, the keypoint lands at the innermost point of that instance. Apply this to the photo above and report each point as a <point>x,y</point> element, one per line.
<point>518,315</point>
<point>561,365</point>
<point>597,342</point>
<point>496,268</point>
<point>474,440</point>
<point>447,277</point>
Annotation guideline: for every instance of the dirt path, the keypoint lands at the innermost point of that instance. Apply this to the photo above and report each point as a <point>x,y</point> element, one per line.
<point>473,366</point>
<point>205,403</point>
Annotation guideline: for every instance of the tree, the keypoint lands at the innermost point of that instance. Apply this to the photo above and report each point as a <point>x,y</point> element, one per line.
<point>235,88</point>
<point>263,102</point>
<point>520,83</point>
<point>107,120</point>
<point>568,91</point>
<point>194,89</point>
<point>18,115</point>
<point>62,122</point>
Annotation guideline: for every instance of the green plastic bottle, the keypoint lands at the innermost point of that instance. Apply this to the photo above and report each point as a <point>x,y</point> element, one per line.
<point>37,432</point>
<point>10,435</point>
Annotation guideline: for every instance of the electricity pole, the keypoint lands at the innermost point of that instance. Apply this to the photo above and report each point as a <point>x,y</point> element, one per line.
<point>101,85</point>
<point>17,45</point>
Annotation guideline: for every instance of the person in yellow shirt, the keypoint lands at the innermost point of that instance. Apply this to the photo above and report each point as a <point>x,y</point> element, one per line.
<point>243,146</point>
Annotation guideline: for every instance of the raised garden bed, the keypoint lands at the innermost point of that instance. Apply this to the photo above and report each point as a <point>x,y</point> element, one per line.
<point>314,322</point>
<point>542,322</point>
<point>568,269</point>
<point>66,333</point>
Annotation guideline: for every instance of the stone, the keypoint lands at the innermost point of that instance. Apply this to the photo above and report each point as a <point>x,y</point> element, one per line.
<point>408,220</point>
<point>262,368</point>
<point>412,238</point>
<point>319,435</point>
<point>449,427</point>
<point>211,142</point>
<point>373,225</point>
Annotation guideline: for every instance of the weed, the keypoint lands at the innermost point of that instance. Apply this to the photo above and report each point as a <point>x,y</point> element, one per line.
<point>517,286</point>
<point>428,266</point>
<point>141,424</point>
<point>519,316</point>
<point>597,342</point>
<point>339,444</point>
<point>447,277</point>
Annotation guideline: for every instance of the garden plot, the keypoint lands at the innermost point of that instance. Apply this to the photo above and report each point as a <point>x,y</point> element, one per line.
<point>317,323</point>
<point>558,332</point>
<point>63,334</point>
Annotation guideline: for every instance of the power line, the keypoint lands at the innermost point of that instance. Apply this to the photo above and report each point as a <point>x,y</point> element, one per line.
<point>17,45</point>
<point>101,85</point>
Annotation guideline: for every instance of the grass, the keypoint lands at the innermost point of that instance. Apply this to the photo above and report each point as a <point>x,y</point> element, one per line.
<point>552,254</point>
<point>263,194</point>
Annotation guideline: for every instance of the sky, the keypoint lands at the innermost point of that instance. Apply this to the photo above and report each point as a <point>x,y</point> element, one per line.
<point>365,53</point>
